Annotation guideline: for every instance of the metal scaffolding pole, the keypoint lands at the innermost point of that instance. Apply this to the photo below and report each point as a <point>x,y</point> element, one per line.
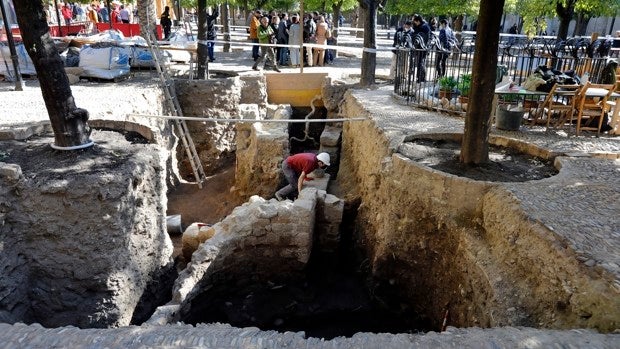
<point>19,83</point>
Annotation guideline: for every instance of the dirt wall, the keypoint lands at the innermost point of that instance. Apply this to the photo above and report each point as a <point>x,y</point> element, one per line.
<point>85,232</point>
<point>444,242</point>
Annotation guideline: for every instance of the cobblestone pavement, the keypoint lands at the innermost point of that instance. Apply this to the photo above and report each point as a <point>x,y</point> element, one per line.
<point>225,336</point>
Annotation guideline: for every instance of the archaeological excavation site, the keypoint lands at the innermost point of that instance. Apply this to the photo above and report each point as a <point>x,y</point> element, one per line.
<point>392,245</point>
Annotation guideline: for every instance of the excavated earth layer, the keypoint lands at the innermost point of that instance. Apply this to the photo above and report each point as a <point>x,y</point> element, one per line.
<point>82,239</point>
<point>543,253</point>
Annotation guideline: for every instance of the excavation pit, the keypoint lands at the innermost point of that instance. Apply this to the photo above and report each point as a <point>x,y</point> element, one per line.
<point>330,298</point>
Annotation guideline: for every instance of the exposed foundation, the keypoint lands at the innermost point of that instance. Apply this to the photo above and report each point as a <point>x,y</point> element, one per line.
<point>83,237</point>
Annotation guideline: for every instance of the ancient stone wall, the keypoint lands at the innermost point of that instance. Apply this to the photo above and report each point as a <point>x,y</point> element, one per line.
<point>261,148</point>
<point>444,242</point>
<point>85,232</point>
<point>258,239</point>
<point>213,98</point>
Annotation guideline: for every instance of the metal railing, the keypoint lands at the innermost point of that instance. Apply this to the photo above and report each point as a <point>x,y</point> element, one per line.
<point>418,72</point>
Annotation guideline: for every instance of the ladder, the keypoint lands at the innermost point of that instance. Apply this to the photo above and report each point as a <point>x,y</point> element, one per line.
<point>187,25</point>
<point>175,108</point>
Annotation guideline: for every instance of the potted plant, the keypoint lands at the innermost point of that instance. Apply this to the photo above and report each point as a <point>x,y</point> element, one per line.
<point>447,84</point>
<point>464,86</point>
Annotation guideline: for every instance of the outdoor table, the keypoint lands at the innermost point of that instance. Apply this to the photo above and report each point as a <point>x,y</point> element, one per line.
<point>591,92</point>
<point>519,92</point>
<point>615,113</point>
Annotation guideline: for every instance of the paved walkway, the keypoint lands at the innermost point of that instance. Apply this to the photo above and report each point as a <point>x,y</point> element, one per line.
<point>225,336</point>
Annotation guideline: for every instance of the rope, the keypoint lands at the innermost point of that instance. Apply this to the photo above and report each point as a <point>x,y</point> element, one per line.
<point>197,118</point>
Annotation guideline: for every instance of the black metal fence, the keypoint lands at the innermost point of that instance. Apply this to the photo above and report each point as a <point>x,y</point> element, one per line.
<point>422,79</point>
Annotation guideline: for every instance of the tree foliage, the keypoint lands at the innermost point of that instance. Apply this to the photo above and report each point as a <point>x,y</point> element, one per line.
<point>533,11</point>
<point>434,7</point>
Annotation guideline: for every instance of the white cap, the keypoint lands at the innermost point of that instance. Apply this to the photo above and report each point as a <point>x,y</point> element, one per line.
<point>324,158</point>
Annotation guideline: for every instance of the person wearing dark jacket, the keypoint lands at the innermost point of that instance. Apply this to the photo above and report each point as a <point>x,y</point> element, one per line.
<point>422,32</point>
<point>403,38</point>
<point>166,22</point>
<point>447,39</point>
<point>212,33</point>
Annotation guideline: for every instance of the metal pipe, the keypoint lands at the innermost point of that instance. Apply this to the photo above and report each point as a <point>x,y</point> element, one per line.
<point>19,83</point>
<point>190,118</point>
<point>58,18</point>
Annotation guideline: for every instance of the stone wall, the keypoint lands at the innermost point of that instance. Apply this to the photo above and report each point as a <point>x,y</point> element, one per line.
<point>260,240</point>
<point>261,148</point>
<point>82,238</point>
<point>213,98</point>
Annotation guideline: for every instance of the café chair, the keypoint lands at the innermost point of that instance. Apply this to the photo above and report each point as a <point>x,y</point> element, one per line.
<point>559,105</point>
<point>592,106</point>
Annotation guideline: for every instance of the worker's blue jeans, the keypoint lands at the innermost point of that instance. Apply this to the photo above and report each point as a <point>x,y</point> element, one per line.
<point>291,177</point>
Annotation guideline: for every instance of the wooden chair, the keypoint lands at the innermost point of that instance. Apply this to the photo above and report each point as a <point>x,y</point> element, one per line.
<point>560,101</point>
<point>592,107</point>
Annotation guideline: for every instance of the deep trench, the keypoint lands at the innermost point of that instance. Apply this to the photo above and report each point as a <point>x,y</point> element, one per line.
<point>335,295</point>
<point>301,141</point>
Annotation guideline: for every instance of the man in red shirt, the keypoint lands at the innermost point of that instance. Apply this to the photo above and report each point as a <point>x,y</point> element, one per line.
<point>296,168</point>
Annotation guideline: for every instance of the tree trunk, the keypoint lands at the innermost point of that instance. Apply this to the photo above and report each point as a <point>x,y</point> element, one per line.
<point>147,16</point>
<point>475,147</point>
<point>369,59</point>
<point>565,13</point>
<point>226,23</point>
<point>361,20</point>
<point>68,121</point>
<point>336,8</point>
<point>202,54</point>
<point>581,25</point>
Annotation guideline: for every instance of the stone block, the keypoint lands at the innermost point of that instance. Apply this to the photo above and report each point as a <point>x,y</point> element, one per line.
<point>248,111</point>
<point>283,112</point>
<point>318,183</point>
<point>329,214</point>
<point>331,136</point>
<point>193,236</point>
<point>10,172</point>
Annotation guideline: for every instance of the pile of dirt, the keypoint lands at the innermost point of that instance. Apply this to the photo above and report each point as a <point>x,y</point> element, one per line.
<point>505,165</point>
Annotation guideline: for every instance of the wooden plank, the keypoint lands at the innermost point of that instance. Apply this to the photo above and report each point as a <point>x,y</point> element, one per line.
<point>296,98</point>
<point>295,89</point>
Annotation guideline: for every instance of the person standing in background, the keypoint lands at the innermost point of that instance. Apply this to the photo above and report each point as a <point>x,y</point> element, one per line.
<point>283,39</point>
<point>254,24</point>
<point>166,22</point>
<point>294,38</point>
<point>67,13</point>
<point>212,32</point>
<point>447,40</point>
<point>124,14</point>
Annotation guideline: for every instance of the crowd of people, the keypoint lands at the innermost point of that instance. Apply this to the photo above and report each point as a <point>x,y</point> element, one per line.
<point>416,33</point>
<point>95,12</point>
<point>280,28</point>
